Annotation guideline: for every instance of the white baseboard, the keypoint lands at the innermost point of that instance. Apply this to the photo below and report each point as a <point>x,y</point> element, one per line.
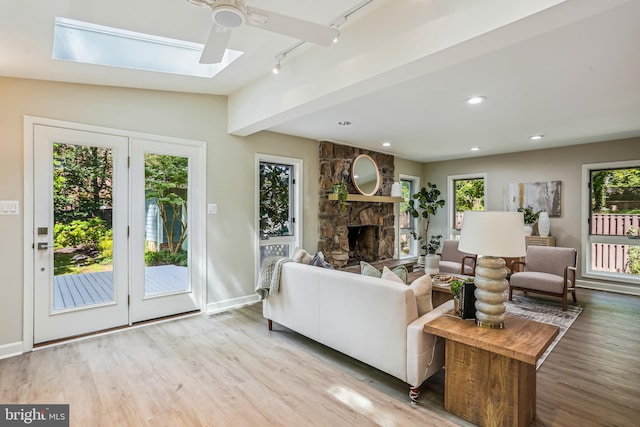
<point>216,307</point>
<point>10,350</point>
<point>609,287</point>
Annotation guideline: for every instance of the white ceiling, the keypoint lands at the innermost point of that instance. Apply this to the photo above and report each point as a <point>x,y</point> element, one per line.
<point>568,69</point>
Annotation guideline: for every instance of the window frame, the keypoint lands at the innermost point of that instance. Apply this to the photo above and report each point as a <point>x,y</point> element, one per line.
<point>451,199</point>
<point>587,238</point>
<point>294,240</point>
<point>413,247</point>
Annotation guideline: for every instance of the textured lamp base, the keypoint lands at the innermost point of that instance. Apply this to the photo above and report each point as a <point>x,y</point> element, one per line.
<point>491,286</point>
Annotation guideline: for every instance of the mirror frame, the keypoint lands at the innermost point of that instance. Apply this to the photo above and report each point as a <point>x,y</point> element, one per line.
<point>375,166</point>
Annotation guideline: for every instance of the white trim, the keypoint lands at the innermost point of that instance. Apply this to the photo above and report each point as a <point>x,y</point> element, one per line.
<point>415,250</point>
<point>28,261</point>
<point>451,198</point>
<point>608,287</point>
<point>585,240</point>
<point>12,349</point>
<point>233,303</point>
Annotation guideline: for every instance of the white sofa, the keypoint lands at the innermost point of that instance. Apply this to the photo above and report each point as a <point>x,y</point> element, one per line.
<point>370,319</point>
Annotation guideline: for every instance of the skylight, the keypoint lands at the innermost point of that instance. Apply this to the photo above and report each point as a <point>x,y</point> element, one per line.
<point>96,44</point>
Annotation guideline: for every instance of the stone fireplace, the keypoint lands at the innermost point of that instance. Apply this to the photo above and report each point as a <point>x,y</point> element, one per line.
<point>364,231</point>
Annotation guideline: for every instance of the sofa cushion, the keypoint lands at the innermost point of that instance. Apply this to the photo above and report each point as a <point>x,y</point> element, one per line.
<point>369,270</point>
<point>538,281</point>
<point>422,289</point>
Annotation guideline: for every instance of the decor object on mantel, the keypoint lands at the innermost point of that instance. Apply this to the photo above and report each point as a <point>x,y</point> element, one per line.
<point>340,190</point>
<point>530,218</point>
<point>425,203</point>
<point>396,189</point>
<point>544,224</point>
<point>492,235</point>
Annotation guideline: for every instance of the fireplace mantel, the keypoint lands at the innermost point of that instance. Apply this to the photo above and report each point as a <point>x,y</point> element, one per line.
<point>370,199</point>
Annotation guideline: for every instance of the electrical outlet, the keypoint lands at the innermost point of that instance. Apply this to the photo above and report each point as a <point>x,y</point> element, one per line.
<point>212,208</point>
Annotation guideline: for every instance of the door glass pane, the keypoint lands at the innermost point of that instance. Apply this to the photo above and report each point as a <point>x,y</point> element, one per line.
<point>615,220</point>
<point>83,228</point>
<point>275,200</point>
<point>166,224</point>
<point>406,222</point>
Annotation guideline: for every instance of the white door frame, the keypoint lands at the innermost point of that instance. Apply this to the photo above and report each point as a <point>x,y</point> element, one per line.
<point>199,242</point>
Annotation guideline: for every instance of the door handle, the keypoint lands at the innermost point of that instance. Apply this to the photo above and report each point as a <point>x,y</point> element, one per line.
<point>43,246</point>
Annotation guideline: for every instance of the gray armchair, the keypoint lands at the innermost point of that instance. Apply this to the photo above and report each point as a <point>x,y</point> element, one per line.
<point>546,270</point>
<point>456,262</point>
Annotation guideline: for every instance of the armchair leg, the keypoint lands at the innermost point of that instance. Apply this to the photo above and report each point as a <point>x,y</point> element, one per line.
<point>573,294</point>
<point>510,294</point>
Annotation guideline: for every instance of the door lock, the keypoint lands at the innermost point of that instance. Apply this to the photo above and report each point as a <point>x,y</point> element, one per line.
<point>43,246</point>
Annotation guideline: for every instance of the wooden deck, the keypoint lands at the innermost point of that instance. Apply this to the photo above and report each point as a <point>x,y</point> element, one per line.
<point>77,290</point>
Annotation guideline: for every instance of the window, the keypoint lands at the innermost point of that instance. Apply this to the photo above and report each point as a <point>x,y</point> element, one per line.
<point>407,224</point>
<point>469,195</point>
<point>278,207</point>
<point>612,247</point>
<point>96,44</point>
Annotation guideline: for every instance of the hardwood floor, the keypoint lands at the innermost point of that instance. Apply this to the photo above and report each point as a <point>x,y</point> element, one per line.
<point>230,370</point>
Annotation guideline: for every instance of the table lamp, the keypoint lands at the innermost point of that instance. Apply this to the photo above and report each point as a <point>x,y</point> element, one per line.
<point>492,235</point>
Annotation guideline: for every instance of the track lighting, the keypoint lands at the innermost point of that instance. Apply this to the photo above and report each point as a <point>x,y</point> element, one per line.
<point>276,68</point>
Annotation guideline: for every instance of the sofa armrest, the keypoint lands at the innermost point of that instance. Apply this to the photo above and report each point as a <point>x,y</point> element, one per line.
<point>425,352</point>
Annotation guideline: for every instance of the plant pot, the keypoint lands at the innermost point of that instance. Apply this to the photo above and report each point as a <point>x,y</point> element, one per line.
<point>528,229</point>
<point>420,260</point>
<point>456,305</point>
<point>432,264</point>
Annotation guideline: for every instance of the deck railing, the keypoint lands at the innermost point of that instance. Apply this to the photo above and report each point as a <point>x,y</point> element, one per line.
<point>608,256</point>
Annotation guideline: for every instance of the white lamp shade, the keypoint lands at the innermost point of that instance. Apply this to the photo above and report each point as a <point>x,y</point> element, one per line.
<point>487,233</point>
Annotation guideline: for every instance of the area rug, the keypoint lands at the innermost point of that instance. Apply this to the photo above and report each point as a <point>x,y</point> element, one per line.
<point>546,312</point>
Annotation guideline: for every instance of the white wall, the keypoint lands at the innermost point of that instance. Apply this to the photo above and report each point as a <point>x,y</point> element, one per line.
<point>230,174</point>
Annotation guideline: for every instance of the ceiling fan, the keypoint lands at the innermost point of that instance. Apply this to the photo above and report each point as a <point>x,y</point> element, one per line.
<point>230,14</point>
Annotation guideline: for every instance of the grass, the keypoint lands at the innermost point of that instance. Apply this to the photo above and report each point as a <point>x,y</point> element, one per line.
<point>63,263</point>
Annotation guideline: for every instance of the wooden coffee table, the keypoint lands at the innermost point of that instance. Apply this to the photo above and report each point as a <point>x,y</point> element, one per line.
<point>439,293</point>
<point>490,376</point>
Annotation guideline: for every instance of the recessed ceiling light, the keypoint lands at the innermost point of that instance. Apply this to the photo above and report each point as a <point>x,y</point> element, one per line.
<point>476,100</point>
<point>344,123</point>
<point>536,137</point>
<point>386,144</point>
<point>474,149</point>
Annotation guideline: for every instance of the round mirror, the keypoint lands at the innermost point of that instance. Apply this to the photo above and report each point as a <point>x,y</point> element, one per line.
<point>365,175</point>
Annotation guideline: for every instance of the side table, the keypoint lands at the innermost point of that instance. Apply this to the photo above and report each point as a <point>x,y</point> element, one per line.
<point>490,377</point>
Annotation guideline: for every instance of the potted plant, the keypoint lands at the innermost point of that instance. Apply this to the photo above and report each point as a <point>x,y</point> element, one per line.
<point>432,260</point>
<point>455,286</point>
<point>425,203</point>
<point>340,190</point>
<point>530,218</point>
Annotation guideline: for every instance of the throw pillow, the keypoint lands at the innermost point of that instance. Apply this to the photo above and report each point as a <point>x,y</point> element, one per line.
<point>302,256</point>
<point>422,290</point>
<point>318,261</point>
<point>390,275</point>
<point>369,270</point>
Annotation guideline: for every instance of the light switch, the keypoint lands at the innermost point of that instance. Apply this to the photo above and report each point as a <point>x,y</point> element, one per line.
<point>212,208</point>
<point>9,207</point>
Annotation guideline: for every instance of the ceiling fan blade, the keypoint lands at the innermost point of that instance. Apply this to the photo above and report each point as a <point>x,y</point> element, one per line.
<point>290,26</point>
<point>216,44</point>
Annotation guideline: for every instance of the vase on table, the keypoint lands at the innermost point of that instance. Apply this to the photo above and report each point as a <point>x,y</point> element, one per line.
<point>544,225</point>
<point>528,229</point>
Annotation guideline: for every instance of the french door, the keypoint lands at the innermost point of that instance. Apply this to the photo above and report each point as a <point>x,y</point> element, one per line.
<point>112,221</point>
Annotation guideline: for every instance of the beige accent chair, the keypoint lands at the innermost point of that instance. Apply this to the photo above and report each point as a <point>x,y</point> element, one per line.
<point>546,270</point>
<point>456,262</point>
